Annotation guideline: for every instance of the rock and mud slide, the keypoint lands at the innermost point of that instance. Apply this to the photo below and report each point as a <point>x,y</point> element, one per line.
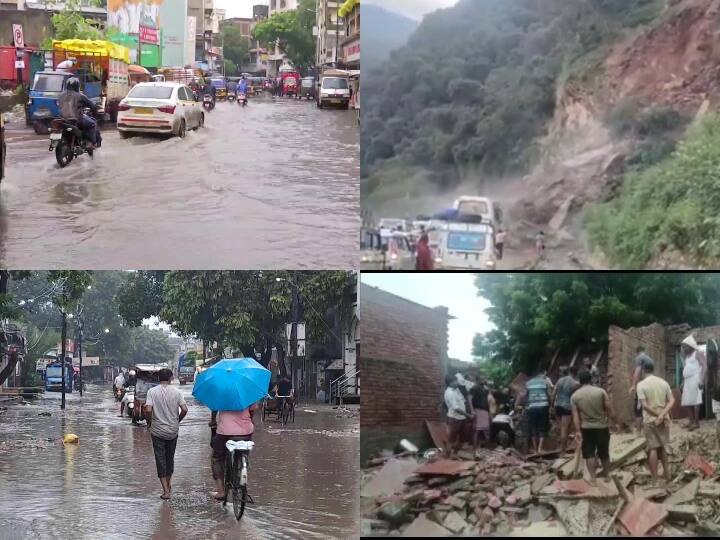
<point>597,120</point>
<point>505,493</point>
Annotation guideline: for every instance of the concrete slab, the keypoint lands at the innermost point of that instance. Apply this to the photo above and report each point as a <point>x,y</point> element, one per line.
<point>455,523</point>
<point>575,516</point>
<point>541,529</point>
<point>424,528</point>
<point>390,478</point>
<point>444,467</point>
<point>685,494</point>
<point>640,516</point>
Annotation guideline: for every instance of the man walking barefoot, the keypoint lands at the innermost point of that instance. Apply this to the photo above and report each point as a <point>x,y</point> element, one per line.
<point>164,409</point>
<point>591,412</point>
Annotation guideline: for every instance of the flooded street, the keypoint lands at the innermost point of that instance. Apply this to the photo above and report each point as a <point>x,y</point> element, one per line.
<point>274,185</point>
<point>304,477</point>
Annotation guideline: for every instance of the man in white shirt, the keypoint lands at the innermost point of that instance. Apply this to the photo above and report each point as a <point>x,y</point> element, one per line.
<point>165,408</point>
<point>456,415</point>
<point>118,383</point>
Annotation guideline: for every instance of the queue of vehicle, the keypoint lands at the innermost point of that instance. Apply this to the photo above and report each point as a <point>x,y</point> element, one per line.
<point>460,238</point>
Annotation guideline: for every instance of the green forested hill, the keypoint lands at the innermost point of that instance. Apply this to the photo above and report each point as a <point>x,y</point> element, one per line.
<point>477,84</point>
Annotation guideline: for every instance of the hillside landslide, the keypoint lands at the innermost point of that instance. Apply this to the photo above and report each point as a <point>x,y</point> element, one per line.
<point>674,63</point>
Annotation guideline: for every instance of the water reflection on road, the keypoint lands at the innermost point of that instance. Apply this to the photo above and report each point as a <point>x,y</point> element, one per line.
<point>304,477</point>
<point>275,185</point>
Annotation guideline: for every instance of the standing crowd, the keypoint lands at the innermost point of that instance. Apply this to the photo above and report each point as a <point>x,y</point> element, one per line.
<point>580,405</point>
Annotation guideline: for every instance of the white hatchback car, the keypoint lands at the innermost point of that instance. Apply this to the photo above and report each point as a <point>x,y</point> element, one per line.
<point>159,107</point>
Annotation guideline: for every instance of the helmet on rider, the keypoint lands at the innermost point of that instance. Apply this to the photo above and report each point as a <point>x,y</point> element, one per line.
<point>73,84</point>
<point>132,372</point>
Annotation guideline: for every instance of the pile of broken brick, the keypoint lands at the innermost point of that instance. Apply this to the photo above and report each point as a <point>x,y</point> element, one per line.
<point>501,492</point>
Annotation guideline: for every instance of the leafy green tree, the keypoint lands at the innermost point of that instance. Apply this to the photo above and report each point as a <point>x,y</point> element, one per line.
<point>69,22</point>
<point>476,85</point>
<point>244,310</point>
<point>292,30</point>
<point>149,346</point>
<point>536,313</point>
<point>235,48</point>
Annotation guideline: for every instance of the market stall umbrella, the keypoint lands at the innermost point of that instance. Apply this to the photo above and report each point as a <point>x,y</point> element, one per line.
<point>232,385</point>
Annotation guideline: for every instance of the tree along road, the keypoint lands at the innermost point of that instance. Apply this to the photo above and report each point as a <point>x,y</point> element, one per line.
<point>273,185</point>
<point>304,477</point>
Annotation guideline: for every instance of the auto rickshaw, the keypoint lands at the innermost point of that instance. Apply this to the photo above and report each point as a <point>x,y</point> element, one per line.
<point>147,376</point>
<point>221,89</point>
<point>308,88</point>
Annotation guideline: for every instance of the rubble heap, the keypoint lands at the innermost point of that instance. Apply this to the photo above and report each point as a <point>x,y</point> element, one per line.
<point>502,492</point>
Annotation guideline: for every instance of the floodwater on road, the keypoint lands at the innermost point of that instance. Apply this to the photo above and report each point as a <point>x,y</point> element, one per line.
<point>304,477</point>
<point>273,185</point>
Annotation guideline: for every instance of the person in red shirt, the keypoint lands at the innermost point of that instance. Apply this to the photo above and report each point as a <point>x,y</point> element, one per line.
<point>423,254</point>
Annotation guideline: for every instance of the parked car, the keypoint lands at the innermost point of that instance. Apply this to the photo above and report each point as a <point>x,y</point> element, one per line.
<point>159,108</point>
<point>334,90</point>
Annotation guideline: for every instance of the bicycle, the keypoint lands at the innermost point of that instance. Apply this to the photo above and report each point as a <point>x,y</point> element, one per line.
<point>236,475</point>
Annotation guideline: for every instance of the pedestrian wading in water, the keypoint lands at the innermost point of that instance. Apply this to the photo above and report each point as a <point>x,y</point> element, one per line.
<point>164,410</point>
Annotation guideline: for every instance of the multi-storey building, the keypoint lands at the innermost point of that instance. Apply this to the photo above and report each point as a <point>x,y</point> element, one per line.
<point>329,31</point>
<point>350,41</point>
<point>276,6</point>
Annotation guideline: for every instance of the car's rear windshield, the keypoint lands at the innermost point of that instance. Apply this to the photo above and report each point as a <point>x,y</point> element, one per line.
<point>151,92</point>
<point>48,83</point>
<point>336,83</point>
<point>460,241</point>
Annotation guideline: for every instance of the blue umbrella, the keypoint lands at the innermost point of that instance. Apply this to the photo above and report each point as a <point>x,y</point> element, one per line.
<point>232,385</point>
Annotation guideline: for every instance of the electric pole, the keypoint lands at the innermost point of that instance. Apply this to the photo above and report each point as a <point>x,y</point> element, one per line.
<point>63,338</point>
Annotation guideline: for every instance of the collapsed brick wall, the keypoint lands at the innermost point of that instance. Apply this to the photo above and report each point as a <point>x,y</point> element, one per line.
<point>403,359</point>
<point>622,347</point>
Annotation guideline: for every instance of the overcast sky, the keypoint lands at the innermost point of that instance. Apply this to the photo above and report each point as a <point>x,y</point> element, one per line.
<point>457,292</point>
<point>415,9</point>
<point>238,8</point>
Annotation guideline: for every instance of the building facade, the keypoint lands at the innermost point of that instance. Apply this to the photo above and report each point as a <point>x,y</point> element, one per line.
<point>329,32</point>
<point>350,41</point>
<point>173,22</point>
<point>208,55</point>
<point>403,360</point>
<point>276,6</point>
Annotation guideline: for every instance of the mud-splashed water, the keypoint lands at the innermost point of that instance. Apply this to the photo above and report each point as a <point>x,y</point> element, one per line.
<point>274,185</point>
<point>304,477</point>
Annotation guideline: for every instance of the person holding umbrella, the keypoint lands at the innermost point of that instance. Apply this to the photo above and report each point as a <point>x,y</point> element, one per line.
<point>232,388</point>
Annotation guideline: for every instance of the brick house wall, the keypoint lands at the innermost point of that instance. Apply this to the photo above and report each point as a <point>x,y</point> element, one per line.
<point>622,347</point>
<point>403,359</point>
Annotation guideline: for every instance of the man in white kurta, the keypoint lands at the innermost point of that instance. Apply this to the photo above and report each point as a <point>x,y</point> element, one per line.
<point>694,369</point>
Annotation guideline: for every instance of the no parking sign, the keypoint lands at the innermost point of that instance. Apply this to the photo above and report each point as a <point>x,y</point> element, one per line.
<point>18,36</point>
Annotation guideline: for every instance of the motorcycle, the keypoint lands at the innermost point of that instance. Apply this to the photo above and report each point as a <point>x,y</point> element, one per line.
<point>68,141</point>
<point>242,100</point>
<point>119,393</point>
<point>231,97</point>
<point>208,103</point>
<point>130,404</point>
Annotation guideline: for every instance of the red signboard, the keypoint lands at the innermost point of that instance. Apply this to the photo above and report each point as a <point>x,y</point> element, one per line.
<point>352,51</point>
<point>149,35</point>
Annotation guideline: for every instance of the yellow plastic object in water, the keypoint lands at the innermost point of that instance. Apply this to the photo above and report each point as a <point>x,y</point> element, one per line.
<point>71,438</point>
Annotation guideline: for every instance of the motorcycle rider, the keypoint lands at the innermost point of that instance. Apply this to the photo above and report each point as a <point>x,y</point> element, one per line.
<point>130,380</point>
<point>241,88</point>
<point>71,103</point>
<point>209,89</point>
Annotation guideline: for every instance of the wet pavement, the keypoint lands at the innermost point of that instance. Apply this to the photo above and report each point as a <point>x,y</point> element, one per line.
<point>304,477</point>
<point>274,185</point>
